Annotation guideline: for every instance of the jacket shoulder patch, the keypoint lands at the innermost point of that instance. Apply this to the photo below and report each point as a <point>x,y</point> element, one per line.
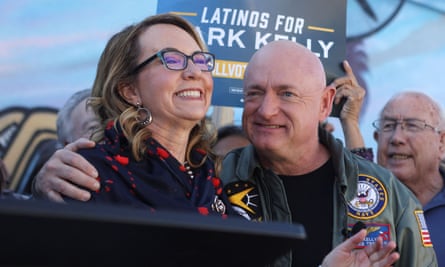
<point>371,198</point>
<point>423,229</point>
<point>245,200</point>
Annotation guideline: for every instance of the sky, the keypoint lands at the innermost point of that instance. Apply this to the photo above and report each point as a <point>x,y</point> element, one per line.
<point>49,49</point>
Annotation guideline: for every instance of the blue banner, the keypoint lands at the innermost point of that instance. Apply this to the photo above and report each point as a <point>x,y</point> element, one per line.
<point>234,29</point>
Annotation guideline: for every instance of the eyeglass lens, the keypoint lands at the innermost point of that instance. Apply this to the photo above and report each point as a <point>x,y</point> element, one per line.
<point>176,60</point>
<point>411,125</point>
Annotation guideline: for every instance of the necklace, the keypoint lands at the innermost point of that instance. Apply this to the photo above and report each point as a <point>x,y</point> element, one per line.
<point>188,170</point>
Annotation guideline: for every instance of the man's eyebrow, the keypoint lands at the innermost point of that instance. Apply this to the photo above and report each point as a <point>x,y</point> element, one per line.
<point>285,86</point>
<point>279,87</point>
<point>255,86</point>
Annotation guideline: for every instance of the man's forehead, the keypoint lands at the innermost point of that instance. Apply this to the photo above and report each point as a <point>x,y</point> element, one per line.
<point>409,107</point>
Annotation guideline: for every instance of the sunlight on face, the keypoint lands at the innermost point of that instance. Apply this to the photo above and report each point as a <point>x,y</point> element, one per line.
<point>283,90</point>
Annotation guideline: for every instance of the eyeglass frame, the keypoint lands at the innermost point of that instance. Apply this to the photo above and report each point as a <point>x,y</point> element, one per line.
<point>160,55</point>
<point>402,123</point>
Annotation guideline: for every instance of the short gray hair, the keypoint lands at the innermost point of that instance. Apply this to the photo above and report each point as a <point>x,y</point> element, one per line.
<point>63,123</point>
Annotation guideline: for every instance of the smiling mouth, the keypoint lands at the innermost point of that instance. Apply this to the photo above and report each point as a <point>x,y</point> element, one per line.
<point>270,126</point>
<point>189,93</point>
<point>399,156</point>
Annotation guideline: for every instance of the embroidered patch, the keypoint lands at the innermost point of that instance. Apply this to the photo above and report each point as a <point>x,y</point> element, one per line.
<point>245,200</point>
<point>423,228</point>
<point>374,230</point>
<point>371,198</point>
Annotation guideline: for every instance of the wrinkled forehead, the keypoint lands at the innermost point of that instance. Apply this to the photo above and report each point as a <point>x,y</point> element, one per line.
<point>411,106</point>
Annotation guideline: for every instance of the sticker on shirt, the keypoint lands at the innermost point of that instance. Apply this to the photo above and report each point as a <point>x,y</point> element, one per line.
<point>245,200</point>
<point>423,229</point>
<point>374,230</point>
<point>371,198</point>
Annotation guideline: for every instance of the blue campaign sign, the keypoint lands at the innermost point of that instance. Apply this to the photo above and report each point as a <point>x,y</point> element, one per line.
<point>234,29</point>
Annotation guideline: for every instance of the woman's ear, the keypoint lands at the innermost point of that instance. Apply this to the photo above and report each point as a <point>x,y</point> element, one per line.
<point>128,93</point>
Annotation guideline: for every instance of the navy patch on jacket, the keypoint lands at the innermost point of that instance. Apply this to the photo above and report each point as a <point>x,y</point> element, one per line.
<point>371,198</point>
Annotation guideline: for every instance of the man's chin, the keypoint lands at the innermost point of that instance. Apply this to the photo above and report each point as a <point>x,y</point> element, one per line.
<point>266,147</point>
<point>401,173</point>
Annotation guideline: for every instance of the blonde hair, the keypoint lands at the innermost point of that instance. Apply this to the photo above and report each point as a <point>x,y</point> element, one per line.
<point>115,68</point>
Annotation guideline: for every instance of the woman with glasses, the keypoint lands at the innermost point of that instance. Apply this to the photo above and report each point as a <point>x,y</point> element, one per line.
<point>152,91</point>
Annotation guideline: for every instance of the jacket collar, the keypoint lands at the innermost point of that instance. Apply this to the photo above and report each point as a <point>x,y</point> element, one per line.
<point>345,166</point>
<point>247,155</point>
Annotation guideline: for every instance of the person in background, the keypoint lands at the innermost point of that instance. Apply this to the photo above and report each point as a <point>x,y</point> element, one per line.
<point>411,143</point>
<point>228,138</point>
<point>292,161</point>
<point>349,90</point>
<point>413,152</point>
<point>75,119</point>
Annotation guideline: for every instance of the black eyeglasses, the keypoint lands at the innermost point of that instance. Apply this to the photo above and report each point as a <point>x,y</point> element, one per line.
<point>176,60</point>
<point>410,125</point>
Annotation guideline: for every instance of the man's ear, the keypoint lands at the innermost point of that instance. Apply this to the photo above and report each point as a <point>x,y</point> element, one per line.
<point>327,102</point>
<point>128,93</point>
<point>442,144</point>
<point>376,136</point>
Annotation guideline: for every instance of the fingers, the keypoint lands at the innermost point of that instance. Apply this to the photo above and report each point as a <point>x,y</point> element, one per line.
<point>353,93</point>
<point>349,72</point>
<point>348,87</point>
<point>54,196</point>
<point>80,143</point>
<point>64,172</point>
<point>69,164</point>
<point>354,241</point>
<point>351,243</point>
<point>382,255</point>
<point>343,254</point>
<point>63,187</point>
<point>376,255</point>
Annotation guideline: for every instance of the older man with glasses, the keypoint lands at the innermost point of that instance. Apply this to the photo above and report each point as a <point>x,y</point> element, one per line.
<point>411,142</point>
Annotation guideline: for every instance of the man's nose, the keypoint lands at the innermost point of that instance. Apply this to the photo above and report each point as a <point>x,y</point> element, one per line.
<point>270,105</point>
<point>398,135</point>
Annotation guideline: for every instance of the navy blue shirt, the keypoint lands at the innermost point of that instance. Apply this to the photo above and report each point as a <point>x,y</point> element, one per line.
<point>158,181</point>
<point>435,219</point>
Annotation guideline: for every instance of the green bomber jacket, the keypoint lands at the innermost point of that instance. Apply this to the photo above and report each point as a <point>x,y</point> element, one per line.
<point>363,191</point>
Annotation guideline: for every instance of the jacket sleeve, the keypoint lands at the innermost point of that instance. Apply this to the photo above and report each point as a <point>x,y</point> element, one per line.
<point>412,235</point>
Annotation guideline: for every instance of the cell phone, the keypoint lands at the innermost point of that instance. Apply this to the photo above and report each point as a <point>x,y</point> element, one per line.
<point>336,108</point>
